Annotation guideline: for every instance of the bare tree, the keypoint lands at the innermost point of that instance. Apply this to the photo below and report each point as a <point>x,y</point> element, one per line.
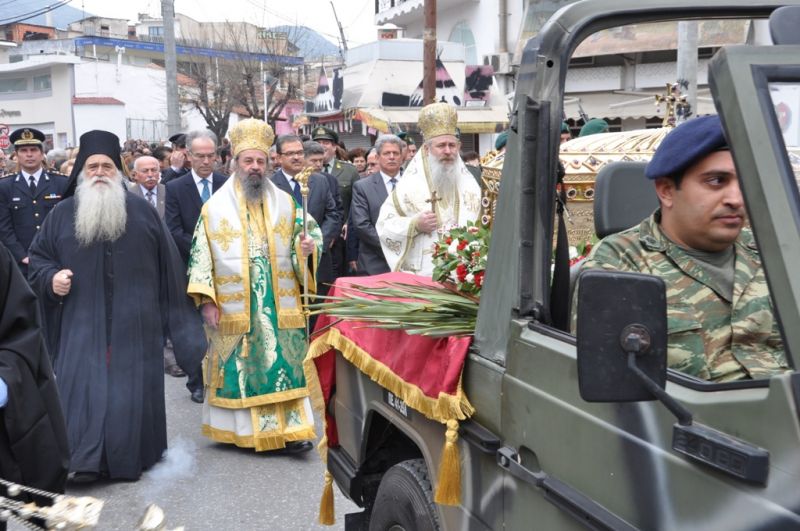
<point>237,79</point>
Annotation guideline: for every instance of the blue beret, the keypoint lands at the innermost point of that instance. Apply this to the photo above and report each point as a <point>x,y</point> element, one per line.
<point>501,140</point>
<point>685,145</point>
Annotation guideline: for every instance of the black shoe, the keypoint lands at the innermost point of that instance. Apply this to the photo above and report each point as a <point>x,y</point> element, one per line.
<point>174,370</point>
<point>84,477</point>
<point>297,447</point>
<point>197,395</point>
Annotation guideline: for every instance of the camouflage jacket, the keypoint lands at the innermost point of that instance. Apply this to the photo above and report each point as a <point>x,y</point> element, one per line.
<point>710,337</point>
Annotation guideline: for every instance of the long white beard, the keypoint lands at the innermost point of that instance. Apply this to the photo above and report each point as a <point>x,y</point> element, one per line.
<point>253,187</point>
<point>100,215</point>
<point>445,179</point>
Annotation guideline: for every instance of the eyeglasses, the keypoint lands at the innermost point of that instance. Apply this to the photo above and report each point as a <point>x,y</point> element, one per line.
<point>300,153</point>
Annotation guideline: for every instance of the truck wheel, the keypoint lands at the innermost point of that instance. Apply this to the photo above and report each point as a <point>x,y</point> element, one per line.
<point>404,500</point>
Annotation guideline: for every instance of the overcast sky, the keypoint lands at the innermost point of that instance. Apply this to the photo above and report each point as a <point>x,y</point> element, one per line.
<point>356,16</point>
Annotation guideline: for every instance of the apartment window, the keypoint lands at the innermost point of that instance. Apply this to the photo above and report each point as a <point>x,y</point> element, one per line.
<point>155,31</point>
<point>41,83</point>
<point>461,33</point>
<point>18,84</point>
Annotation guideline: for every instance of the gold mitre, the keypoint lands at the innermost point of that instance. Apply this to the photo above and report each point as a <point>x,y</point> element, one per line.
<point>438,119</point>
<point>251,133</point>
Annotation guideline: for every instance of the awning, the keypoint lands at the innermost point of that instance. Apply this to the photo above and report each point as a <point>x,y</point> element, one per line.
<point>626,105</point>
<point>470,120</point>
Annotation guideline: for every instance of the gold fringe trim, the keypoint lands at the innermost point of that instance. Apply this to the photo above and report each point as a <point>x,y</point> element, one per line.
<point>231,325</point>
<point>259,443</point>
<point>446,409</point>
<point>326,502</point>
<point>291,319</point>
<point>448,489</point>
<point>261,400</point>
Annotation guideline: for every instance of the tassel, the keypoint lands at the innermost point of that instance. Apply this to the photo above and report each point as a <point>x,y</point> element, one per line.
<point>448,491</point>
<point>326,502</point>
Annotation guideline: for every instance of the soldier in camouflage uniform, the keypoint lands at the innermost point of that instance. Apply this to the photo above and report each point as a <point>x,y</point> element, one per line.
<point>720,318</point>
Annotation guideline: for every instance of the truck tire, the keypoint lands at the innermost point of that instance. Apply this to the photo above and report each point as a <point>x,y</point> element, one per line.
<point>404,500</point>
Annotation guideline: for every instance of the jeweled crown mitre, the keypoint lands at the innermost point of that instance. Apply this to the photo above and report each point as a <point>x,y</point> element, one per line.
<point>251,133</point>
<point>438,119</point>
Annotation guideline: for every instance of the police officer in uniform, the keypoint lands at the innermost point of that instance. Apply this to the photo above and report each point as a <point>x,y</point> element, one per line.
<point>346,175</point>
<point>27,196</point>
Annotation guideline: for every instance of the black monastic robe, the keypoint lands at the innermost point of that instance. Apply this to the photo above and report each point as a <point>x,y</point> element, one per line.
<point>110,364</point>
<point>33,442</point>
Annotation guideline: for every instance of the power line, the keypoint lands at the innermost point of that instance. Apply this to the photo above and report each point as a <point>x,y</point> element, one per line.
<point>36,13</point>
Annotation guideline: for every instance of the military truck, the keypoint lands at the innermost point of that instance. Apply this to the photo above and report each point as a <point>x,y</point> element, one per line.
<point>594,431</point>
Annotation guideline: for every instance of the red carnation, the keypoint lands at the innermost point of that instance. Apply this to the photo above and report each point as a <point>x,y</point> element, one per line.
<point>461,272</point>
<point>478,279</point>
<point>462,244</point>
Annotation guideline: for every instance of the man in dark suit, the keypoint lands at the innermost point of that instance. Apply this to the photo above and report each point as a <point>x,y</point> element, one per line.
<point>180,163</point>
<point>146,172</point>
<point>184,199</point>
<point>321,205</point>
<point>27,196</point>
<point>369,195</point>
<point>186,194</point>
<point>315,155</point>
<point>346,175</point>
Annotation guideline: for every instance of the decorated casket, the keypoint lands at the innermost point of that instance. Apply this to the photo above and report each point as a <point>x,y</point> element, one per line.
<point>582,158</point>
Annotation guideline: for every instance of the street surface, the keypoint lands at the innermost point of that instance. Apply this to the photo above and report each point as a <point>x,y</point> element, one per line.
<point>203,485</point>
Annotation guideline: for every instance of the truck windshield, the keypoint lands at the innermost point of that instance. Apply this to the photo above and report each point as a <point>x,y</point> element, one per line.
<point>786,101</point>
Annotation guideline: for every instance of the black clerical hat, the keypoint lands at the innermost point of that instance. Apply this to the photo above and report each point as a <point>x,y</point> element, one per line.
<point>94,143</point>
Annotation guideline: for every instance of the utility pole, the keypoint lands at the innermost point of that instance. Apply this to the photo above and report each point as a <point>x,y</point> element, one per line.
<point>687,62</point>
<point>341,31</point>
<point>429,54</point>
<point>171,64</point>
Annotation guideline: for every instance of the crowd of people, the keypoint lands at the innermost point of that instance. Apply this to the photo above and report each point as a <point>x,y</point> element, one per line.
<point>201,262</point>
<point>149,244</point>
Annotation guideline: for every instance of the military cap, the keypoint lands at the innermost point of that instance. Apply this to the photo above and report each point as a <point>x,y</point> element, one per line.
<point>593,127</point>
<point>685,145</point>
<point>27,136</point>
<point>323,133</point>
<point>501,140</point>
<point>178,140</point>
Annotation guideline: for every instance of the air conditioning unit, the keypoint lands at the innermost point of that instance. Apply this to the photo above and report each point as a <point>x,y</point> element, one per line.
<point>500,62</point>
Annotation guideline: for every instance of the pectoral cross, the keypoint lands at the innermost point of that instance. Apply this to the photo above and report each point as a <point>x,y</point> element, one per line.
<point>433,200</point>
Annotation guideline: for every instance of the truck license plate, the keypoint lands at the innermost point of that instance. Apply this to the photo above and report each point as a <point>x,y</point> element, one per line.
<point>396,403</point>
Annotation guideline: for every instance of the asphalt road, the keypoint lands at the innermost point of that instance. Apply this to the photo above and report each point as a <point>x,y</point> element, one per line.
<point>203,485</point>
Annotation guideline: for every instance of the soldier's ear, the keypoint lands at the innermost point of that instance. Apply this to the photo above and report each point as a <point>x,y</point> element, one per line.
<point>665,190</point>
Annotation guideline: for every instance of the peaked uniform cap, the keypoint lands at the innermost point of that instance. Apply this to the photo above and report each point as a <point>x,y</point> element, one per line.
<point>324,133</point>
<point>27,136</point>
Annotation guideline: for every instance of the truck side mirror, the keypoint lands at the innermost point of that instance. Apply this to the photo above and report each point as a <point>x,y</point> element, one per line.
<point>622,336</point>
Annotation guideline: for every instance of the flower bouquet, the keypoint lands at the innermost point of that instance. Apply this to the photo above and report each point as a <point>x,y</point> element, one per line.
<point>459,258</point>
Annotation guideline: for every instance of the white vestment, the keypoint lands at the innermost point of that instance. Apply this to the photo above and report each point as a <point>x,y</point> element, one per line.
<point>406,249</point>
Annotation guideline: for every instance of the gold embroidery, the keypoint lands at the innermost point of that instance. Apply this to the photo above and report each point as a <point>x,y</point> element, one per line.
<point>289,275</point>
<point>231,279</point>
<point>225,235</point>
<point>393,245</point>
<point>231,297</point>
<point>284,229</point>
<point>288,292</point>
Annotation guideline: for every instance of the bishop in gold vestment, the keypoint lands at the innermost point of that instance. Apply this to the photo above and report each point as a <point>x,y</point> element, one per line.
<point>246,268</point>
<point>435,193</point>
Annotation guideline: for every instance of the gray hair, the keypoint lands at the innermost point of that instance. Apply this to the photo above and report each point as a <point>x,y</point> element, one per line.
<point>310,147</point>
<point>388,139</point>
<point>57,157</point>
<point>200,133</point>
